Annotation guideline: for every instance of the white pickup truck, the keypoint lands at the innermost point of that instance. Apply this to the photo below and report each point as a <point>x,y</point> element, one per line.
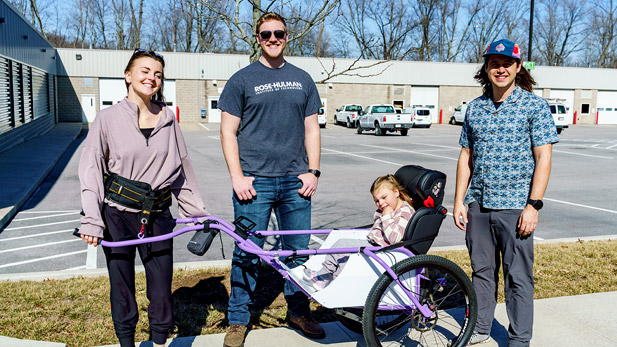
<point>348,115</point>
<point>382,118</point>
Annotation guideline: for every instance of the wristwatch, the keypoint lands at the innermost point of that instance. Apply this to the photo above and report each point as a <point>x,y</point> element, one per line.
<point>537,204</point>
<point>317,173</point>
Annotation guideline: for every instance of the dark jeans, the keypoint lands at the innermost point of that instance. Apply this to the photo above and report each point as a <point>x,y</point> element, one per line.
<point>293,212</point>
<point>158,263</point>
<point>492,241</point>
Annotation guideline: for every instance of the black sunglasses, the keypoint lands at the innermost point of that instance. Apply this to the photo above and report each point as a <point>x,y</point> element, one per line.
<point>266,34</point>
<point>148,52</point>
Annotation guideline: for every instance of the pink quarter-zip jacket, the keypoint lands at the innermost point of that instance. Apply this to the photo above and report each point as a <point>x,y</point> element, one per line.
<point>116,145</point>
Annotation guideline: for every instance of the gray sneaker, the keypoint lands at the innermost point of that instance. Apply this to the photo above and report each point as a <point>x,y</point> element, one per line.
<point>476,338</point>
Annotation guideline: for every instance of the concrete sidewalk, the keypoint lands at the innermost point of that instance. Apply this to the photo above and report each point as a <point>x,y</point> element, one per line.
<point>25,166</point>
<point>582,320</point>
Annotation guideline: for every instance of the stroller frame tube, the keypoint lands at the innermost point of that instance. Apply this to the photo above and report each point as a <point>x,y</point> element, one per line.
<point>272,257</point>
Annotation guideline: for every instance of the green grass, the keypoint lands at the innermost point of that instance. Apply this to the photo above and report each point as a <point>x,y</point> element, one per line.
<point>77,312</point>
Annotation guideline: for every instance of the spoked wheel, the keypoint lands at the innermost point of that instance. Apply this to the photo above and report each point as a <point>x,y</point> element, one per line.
<point>437,283</point>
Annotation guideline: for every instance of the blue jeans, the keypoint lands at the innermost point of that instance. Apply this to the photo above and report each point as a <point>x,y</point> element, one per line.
<point>293,212</point>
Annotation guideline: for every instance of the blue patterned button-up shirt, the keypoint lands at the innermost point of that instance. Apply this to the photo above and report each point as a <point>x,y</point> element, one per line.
<point>501,142</point>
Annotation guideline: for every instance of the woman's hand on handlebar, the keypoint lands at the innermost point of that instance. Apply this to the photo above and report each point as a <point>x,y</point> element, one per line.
<point>91,240</point>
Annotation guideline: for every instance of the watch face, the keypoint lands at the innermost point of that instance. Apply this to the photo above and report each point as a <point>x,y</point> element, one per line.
<point>538,205</point>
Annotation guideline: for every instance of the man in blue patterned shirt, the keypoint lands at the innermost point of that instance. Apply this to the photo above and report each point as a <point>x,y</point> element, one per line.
<point>502,174</point>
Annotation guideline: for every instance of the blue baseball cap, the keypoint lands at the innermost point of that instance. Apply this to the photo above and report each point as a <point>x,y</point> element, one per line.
<point>503,47</point>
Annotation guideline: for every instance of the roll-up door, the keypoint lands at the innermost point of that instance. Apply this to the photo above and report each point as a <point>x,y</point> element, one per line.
<point>5,96</point>
<point>27,102</point>
<point>40,95</point>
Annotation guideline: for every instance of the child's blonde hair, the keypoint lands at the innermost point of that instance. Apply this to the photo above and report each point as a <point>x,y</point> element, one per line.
<point>391,180</point>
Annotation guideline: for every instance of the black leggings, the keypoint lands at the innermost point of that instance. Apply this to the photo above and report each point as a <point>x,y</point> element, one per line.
<point>157,259</point>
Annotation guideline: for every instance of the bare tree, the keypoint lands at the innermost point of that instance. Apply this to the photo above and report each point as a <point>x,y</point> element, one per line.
<point>34,10</point>
<point>427,11</point>
<point>119,15</point>
<point>136,22</point>
<point>559,30</point>
<point>452,37</point>
<point>486,27</point>
<point>99,20</point>
<point>601,50</point>
<point>301,16</point>
<point>80,21</point>
<point>381,29</point>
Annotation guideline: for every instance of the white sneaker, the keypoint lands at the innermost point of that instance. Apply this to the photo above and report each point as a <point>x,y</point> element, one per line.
<point>476,338</point>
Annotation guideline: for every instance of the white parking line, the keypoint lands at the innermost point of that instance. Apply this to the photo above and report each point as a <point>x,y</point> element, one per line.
<point>203,126</point>
<point>363,157</point>
<point>42,259</point>
<point>48,216</point>
<point>36,235</point>
<point>413,152</point>
<point>609,147</point>
<point>579,205</point>
<point>37,246</point>
<point>215,137</point>
<point>585,155</point>
<point>41,225</point>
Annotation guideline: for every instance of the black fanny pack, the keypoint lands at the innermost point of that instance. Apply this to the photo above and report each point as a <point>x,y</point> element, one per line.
<point>137,195</point>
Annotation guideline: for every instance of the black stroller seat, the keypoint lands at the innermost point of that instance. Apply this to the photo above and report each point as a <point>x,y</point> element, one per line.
<point>426,188</point>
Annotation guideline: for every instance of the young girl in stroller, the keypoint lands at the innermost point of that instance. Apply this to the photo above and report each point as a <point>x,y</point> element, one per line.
<point>394,211</point>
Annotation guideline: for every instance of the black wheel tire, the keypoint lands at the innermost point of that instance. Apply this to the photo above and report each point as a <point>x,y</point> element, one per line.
<point>359,128</point>
<point>444,285</point>
<point>453,121</point>
<point>335,121</point>
<point>348,124</point>
<point>559,130</point>
<point>378,130</point>
<point>322,125</point>
<point>404,132</point>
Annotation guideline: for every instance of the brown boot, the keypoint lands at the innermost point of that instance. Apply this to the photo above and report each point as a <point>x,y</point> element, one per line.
<point>235,336</point>
<point>308,326</point>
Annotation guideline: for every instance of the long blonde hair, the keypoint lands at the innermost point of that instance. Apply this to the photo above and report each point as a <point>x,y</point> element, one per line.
<point>391,180</point>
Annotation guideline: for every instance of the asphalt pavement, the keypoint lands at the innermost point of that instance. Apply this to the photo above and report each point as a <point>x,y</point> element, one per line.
<point>585,320</point>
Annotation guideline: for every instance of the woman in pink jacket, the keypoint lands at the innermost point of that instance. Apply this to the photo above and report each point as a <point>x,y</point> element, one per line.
<point>133,159</point>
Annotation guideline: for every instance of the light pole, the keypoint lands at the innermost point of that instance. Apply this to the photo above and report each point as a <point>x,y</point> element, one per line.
<point>530,31</point>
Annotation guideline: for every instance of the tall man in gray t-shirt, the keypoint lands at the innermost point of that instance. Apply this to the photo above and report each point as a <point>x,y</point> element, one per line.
<point>271,142</point>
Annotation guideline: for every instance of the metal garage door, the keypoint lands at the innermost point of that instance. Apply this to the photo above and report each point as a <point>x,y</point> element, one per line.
<point>5,96</point>
<point>567,97</point>
<point>428,97</point>
<point>113,91</point>
<point>27,102</point>
<point>18,112</point>
<point>607,107</point>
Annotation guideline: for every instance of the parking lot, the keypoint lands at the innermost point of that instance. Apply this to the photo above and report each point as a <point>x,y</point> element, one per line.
<point>580,200</point>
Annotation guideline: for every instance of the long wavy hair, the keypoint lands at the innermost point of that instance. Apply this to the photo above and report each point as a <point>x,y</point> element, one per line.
<point>523,78</point>
<point>141,53</point>
<point>393,183</point>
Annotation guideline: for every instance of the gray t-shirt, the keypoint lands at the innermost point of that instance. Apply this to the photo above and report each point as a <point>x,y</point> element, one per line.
<point>272,105</point>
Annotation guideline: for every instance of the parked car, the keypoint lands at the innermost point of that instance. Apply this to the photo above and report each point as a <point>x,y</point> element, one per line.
<point>348,115</point>
<point>383,118</point>
<point>421,116</point>
<point>560,114</point>
<point>458,116</point>
<point>321,117</point>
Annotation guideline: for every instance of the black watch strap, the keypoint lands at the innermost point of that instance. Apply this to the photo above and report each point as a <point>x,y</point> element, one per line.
<point>537,204</point>
<point>317,173</point>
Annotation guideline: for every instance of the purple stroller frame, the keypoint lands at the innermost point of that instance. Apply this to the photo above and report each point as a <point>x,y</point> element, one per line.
<point>272,257</point>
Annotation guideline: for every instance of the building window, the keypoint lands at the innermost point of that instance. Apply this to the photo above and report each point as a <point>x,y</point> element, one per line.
<point>585,108</point>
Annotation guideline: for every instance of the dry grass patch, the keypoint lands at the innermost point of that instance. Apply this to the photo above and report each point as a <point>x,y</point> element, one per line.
<point>76,311</point>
